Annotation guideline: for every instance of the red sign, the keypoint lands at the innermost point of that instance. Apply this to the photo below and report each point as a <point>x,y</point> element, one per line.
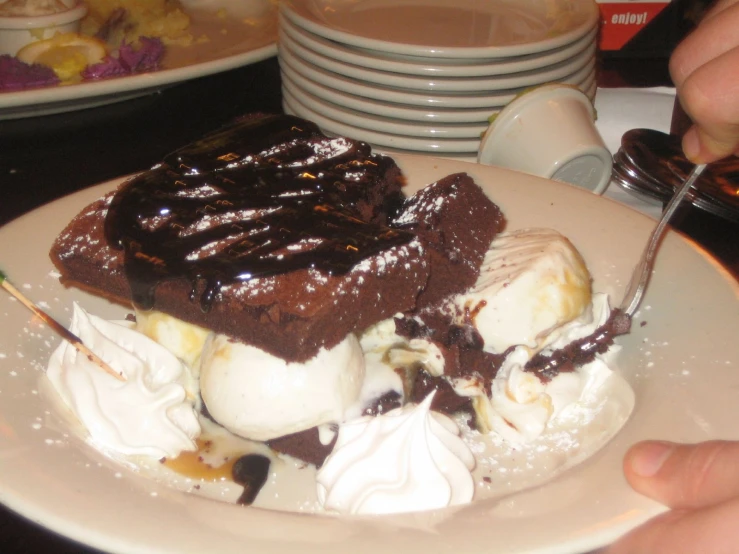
<point>622,20</point>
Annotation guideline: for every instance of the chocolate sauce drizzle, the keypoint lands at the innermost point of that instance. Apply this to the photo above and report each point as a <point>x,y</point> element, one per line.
<point>250,471</point>
<point>264,195</point>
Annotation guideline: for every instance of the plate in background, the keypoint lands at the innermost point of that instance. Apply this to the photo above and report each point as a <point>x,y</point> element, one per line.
<point>290,64</point>
<point>440,83</point>
<point>411,65</point>
<point>383,124</point>
<point>249,38</point>
<point>331,126</point>
<point>447,28</point>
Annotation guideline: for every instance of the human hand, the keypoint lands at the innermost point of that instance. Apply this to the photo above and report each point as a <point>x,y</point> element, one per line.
<point>700,483</point>
<point>705,71</point>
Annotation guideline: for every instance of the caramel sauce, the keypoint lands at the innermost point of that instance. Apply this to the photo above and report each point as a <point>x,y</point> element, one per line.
<point>248,470</point>
<point>193,464</point>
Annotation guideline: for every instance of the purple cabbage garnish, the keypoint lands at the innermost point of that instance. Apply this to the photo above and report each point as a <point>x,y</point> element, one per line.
<point>146,58</point>
<point>108,67</point>
<point>18,75</point>
<point>129,61</point>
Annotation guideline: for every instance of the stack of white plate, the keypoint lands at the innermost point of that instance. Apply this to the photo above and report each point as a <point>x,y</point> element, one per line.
<point>426,75</point>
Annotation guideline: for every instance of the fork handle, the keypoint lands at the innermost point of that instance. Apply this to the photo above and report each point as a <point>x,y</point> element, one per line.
<point>643,270</point>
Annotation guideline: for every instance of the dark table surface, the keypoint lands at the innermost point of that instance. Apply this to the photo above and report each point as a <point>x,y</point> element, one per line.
<point>44,158</point>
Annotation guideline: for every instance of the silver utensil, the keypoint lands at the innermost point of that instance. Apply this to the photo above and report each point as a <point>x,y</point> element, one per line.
<point>643,270</point>
<point>651,166</point>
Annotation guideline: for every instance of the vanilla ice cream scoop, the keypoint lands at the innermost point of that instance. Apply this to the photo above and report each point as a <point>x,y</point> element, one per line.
<point>521,405</point>
<point>152,413</point>
<point>531,282</point>
<point>182,339</point>
<point>261,397</point>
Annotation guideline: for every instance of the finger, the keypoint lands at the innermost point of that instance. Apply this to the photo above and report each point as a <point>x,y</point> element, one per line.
<point>709,531</point>
<point>684,476</point>
<point>712,38</point>
<point>701,147</point>
<point>719,7</point>
<point>709,96</point>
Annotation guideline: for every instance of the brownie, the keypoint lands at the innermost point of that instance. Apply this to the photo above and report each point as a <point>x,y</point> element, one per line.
<point>304,445</point>
<point>462,348</point>
<point>457,222</point>
<point>290,315</point>
<point>282,238</point>
<point>178,238</point>
<point>256,197</point>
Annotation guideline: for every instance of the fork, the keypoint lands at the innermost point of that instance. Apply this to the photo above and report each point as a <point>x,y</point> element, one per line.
<point>643,270</point>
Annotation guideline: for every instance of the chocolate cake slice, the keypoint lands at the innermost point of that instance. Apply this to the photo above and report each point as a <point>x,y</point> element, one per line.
<point>274,234</point>
<point>457,222</point>
<point>265,231</point>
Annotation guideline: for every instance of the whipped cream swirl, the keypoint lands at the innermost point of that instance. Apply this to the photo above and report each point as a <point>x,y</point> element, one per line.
<point>152,413</point>
<point>408,459</point>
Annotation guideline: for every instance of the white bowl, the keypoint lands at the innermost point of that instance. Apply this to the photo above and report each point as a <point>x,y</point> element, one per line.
<point>550,132</point>
<point>442,83</point>
<point>18,31</point>
<point>447,28</point>
<point>432,67</point>
<point>291,64</point>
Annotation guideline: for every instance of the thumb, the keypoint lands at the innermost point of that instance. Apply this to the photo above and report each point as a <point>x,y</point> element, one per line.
<point>709,95</point>
<point>706,146</point>
<point>684,476</point>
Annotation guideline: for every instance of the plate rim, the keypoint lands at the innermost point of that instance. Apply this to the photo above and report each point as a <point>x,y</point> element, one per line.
<point>424,66</point>
<point>414,98</point>
<point>444,83</point>
<point>427,144</point>
<point>377,107</point>
<point>592,15</point>
<point>384,124</point>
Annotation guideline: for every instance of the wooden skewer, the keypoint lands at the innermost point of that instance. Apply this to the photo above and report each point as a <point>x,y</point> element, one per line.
<point>66,334</point>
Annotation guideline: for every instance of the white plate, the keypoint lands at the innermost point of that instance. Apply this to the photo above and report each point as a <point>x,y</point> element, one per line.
<point>431,116</point>
<point>442,83</point>
<point>399,111</point>
<point>389,109</point>
<point>333,126</point>
<point>447,28</point>
<point>388,134</point>
<point>291,64</point>
<point>383,124</point>
<point>250,36</point>
<point>432,67</point>
<point>681,364</point>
